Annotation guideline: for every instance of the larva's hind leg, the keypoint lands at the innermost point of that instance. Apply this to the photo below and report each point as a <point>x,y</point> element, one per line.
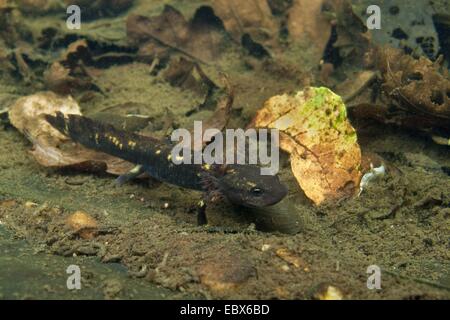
<point>130,175</point>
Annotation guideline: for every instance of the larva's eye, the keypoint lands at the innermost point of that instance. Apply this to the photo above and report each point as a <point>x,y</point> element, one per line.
<point>256,191</point>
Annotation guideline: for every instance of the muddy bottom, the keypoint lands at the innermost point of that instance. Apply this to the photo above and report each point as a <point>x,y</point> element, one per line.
<point>29,272</point>
<point>148,234</point>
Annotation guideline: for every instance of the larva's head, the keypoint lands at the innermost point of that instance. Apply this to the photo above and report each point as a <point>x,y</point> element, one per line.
<point>245,185</point>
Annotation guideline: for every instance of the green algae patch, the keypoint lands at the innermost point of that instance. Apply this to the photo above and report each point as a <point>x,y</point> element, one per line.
<point>325,155</point>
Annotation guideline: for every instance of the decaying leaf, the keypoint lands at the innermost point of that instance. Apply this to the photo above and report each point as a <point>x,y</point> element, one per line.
<point>307,24</point>
<point>353,40</point>
<point>26,111</point>
<point>50,147</point>
<point>325,155</point>
<point>187,75</point>
<point>414,92</point>
<point>252,17</point>
<point>418,85</point>
<point>69,74</point>
<point>198,39</point>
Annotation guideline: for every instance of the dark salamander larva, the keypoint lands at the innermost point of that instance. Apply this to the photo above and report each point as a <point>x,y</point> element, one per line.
<point>240,184</point>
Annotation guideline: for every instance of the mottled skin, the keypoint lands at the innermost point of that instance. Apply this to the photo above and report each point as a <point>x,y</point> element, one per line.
<point>240,184</point>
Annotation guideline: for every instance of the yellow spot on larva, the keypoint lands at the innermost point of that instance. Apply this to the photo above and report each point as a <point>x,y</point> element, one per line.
<point>206,166</point>
<point>120,146</point>
<point>179,158</point>
<point>169,157</point>
<point>96,138</point>
<point>158,151</point>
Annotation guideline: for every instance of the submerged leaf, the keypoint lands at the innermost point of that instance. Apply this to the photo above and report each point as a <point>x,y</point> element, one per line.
<point>198,39</point>
<point>307,24</point>
<point>325,155</point>
<point>50,147</point>
<point>418,85</point>
<point>252,17</point>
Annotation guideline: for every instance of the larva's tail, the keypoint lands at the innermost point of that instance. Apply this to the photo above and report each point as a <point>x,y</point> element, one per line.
<point>105,138</point>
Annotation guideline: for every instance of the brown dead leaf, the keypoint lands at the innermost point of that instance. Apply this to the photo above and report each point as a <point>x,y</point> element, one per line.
<point>69,74</point>
<point>50,147</point>
<point>353,40</point>
<point>307,24</point>
<point>414,92</point>
<point>198,39</point>
<point>325,155</point>
<point>418,85</point>
<point>59,79</point>
<point>187,75</point>
<point>252,17</point>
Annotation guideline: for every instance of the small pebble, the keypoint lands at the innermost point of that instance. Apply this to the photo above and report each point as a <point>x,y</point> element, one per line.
<point>331,293</point>
<point>30,204</point>
<point>83,224</point>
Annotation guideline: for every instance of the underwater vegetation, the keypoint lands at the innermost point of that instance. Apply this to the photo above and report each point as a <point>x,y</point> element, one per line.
<point>358,122</point>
